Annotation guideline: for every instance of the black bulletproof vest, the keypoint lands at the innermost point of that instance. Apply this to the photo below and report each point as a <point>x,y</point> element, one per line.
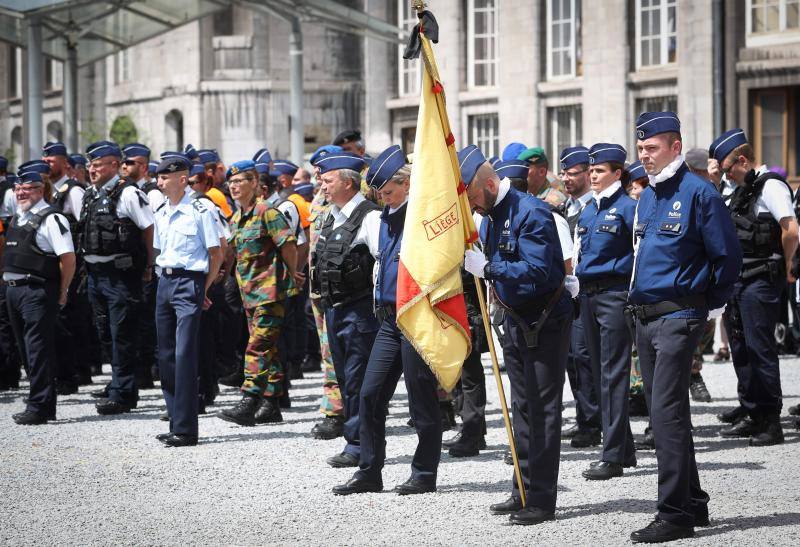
<point>759,235</point>
<point>23,256</point>
<point>149,186</point>
<point>60,199</point>
<point>102,232</point>
<point>342,274</point>
<point>5,186</point>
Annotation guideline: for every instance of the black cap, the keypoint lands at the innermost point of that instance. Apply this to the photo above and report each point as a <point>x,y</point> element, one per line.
<point>348,135</point>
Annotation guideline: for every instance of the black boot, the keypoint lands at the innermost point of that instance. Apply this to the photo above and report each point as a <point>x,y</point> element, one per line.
<point>585,438</point>
<point>244,413</point>
<point>295,371</point>
<point>234,379</point>
<point>329,428</point>
<point>771,432</point>
<point>746,427</point>
<point>448,415</point>
<point>467,446</point>
<point>698,389</point>
<point>733,415</point>
<point>268,412</point>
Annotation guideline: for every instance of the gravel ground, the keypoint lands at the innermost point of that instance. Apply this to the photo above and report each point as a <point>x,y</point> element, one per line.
<point>87,479</point>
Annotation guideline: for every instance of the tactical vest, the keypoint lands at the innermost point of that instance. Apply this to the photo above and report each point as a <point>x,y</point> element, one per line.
<point>149,186</point>
<point>23,256</point>
<point>60,199</point>
<point>759,235</point>
<point>5,186</point>
<point>102,232</point>
<point>341,274</point>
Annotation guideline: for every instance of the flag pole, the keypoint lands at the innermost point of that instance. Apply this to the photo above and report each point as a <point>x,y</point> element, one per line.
<point>430,66</point>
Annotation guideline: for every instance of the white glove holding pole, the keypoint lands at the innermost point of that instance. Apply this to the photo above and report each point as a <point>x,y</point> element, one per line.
<point>572,284</point>
<point>475,262</point>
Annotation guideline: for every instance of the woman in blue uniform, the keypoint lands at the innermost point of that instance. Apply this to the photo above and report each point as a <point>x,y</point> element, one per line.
<point>604,247</point>
<point>392,354</point>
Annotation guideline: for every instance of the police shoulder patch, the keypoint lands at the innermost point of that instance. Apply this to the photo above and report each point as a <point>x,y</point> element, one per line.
<point>61,226</point>
<point>199,206</point>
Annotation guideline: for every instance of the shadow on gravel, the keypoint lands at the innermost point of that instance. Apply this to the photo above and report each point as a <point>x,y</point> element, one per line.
<point>109,418</point>
<point>498,486</point>
<point>610,506</point>
<point>259,433</point>
<point>723,526</point>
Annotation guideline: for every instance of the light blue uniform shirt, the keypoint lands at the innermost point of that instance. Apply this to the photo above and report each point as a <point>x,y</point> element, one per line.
<point>184,233</point>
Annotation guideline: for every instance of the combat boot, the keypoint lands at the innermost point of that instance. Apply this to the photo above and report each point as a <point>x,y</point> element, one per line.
<point>733,415</point>
<point>448,415</point>
<point>244,413</point>
<point>268,412</point>
<point>329,428</point>
<point>746,427</point>
<point>234,379</point>
<point>771,432</point>
<point>467,446</point>
<point>698,389</point>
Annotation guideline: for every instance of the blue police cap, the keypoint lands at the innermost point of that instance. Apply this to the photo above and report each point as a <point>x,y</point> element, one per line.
<point>262,168</point>
<point>152,166</point>
<point>262,156</point>
<point>649,124</point>
<point>134,150</point>
<point>37,166</point>
<point>239,167</point>
<point>305,189</point>
<point>29,177</point>
<point>54,149</point>
<point>604,152</point>
<point>726,143</point>
<point>196,169</point>
<point>11,178</point>
<point>515,169</point>
<point>385,166</point>
<point>285,167</point>
<point>76,159</point>
<point>572,156</point>
<point>208,155</point>
<point>190,152</point>
<point>636,170</point>
<point>493,161</point>
<point>323,151</point>
<point>172,162</point>
<point>3,163</point>
<point>512,151</point>
<point>340,160</point>
<point>469,159</point>
<point>101,149</point>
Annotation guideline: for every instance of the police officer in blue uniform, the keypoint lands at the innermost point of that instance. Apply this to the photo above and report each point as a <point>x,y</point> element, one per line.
<point>116,240</point>
<point>38,265</point>
<point>392,354</point>
<point>188,238</point>
<point>524,265</point>
<point>9,356</point>
<point>763,213</point>
<point>604,257</point>
<point>342,265</point>
<point>687,260</point>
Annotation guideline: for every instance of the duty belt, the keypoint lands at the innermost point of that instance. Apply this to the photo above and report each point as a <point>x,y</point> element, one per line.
<point>644,312</point>
<point>771,267</point>
<point>593,287</point>
<point>384,312</point>
<point>27,280</point>
<point>531,332</point>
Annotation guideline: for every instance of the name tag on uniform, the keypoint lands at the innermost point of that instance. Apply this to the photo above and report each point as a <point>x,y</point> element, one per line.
<point>639,229</point>
<point>670,227</point>
<point>608,228</point>
<point>582,230</point>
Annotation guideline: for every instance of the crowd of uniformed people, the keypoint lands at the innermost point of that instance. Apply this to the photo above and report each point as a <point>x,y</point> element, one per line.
<point>185,270</point>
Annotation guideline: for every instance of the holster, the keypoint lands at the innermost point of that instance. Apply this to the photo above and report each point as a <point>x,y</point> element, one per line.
<point>531,332</point>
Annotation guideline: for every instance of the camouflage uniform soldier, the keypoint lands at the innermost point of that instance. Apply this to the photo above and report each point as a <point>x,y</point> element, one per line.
<point>265,271</point>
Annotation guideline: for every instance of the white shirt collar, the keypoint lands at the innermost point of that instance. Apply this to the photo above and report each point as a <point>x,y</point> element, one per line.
<point>668,172</point>
<point>761,170</point>
<point>392,211</point>
<point>60,182</point>
<point>349,207</point>
<point>607,193</point>
<point>502,191</point>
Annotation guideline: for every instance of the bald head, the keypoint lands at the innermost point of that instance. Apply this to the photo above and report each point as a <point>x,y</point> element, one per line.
<point>482,191</point>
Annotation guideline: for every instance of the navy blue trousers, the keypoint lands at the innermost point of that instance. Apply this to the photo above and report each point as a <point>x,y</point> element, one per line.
<point>609,343</point>
<point>665,348</point>
<point>391,356</point>
<point>753,349</point>
<point>10,360</point>
<point>351,333</point>
<point>179,305</point>
<point>583,379</point>
<point>32,311</point>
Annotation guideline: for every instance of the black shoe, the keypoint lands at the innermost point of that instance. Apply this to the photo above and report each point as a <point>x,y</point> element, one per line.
<point>733,415</point>
<point>448,415</point>
<point>586,438</point>
<point>163,436</point>
<point>771,432</point>
<point>343,459</point>
<point>63,388</point>
<point>794,410</point>
<point>511,505</point>
<point>637,405</point>
<point>701,516</point>
<point>100,393</point>
<point>357,486</point>
<point>295,371</point>
<point>311,363</point>
<point>96,370</point>
<point>268,412</point>
<point>746,427</point>
<point>164,417</point>
<point>329,428</point>
<point>698,389</point>
<point>108,407</point>
<point>177,440</point>
<point>648,442</point>
<point>570,432</point>
<point>660,531</point>
<point>531,515</point>
<point>602,471</point>
<point>234,379</point>
<point>29,418</point>
<point>414,486</point>
<point>465,447</point>
<point>244,412</point>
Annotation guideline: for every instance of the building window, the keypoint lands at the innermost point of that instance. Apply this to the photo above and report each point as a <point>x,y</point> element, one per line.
<point>667,103</point>
<point>53,74</point>
<point>173,123</point>
<point>408,74</point>
<point>223,22</point>
<point>775,128</point>
<point>122,66</point>
<point>564,38</point>
<point>656,40</point>
<point>482,32</point>
<point>483,132</point>
<point>773,15</point>
<point>565,128</point>
<point>408,135</point>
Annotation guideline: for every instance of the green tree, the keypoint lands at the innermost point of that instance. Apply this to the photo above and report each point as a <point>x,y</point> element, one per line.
<point>123,131</point>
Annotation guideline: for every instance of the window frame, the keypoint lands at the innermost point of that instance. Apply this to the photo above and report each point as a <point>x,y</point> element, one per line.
<point>551,137</point>
<point>404,67</point>
<point>574,30</point>
<point>495,62</point>
<point>664,35</point>
<point>471,115</point>
<point>770,38</point>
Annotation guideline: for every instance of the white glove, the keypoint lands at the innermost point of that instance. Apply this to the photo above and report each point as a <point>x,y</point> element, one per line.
<point>572,284</point>
<point>475,262</point>
<point>714,314</point>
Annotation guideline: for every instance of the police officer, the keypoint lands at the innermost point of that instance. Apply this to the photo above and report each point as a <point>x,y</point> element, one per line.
<point>266,256</point>
<point>766,226</point>
<point>524,265</point>
<point>604,257</point>
<point>686,262</point>
<point>116,239</point>
<point>136,166</point>
<point>342,275</point>
<point>8,205</point>
<point>38,265</point>
<point>77,169</point>
<point>9,357</point>
<point>392,354</point>
<point>187,236</point>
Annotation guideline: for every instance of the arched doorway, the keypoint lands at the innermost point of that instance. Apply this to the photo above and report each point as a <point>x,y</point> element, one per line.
<point>55,132</point>
<point>174,130</point>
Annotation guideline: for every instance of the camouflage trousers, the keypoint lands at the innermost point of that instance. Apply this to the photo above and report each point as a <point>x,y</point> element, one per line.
<point>263,371</point>
<point>331,403</point>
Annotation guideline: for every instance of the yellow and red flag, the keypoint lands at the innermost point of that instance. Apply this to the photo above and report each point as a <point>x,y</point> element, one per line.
<point>431,311</point>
